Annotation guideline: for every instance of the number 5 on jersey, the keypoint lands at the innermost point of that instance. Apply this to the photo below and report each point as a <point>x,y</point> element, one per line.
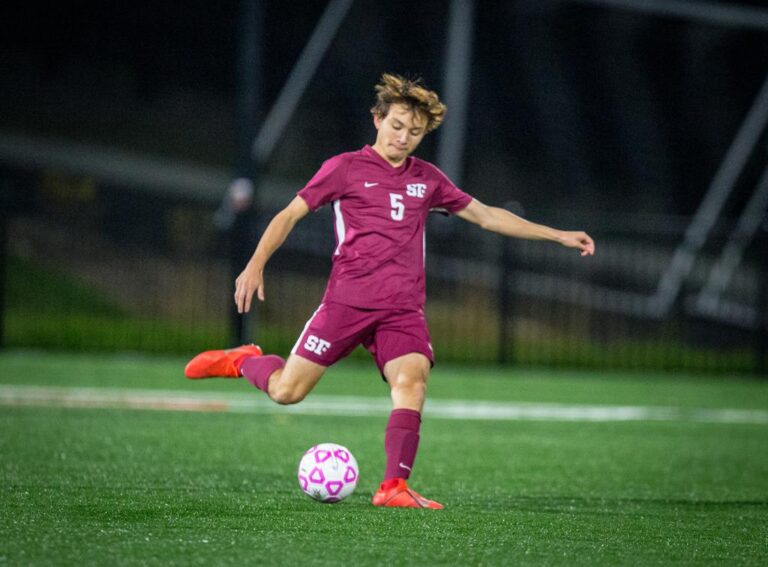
<point>398,207</point>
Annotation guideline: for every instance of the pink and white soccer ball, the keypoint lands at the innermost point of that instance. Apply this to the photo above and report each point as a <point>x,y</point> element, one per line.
<point>328,472</point>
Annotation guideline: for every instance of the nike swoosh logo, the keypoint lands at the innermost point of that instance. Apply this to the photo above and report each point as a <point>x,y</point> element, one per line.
<point>369,184</point>
<point>405,467</point>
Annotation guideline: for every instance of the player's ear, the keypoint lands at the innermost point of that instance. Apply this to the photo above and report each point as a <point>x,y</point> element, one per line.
<point>376,121</point>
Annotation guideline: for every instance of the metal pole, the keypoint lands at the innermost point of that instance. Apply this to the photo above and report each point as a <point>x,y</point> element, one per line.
<point>718,13</point>
<point>749,223</point>
<point>249,76</point>
<point>237,214</point>
<point>297,82</point>
<point>254,148</point>
<point>458,59</point>
<point>4,207</point>
<point>721,187</point>
<point>761,344</point>
<point>505,303</point>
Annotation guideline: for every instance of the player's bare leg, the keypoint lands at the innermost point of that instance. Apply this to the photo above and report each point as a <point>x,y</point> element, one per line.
<point>407,378</point>
<point>292,383</point>
<point>284,382</point>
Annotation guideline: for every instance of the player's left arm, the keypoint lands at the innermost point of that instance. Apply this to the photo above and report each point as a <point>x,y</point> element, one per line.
<point>502,221</point>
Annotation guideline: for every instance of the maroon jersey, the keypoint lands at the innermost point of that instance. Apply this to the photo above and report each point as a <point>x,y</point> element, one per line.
<point>381,212</point>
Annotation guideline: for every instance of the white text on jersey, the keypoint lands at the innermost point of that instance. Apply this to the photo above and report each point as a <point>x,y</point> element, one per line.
<point>318,346</point>
<point>416,190</point>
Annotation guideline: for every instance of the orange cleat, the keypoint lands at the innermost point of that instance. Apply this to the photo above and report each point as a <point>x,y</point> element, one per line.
<point>220,363</point>
<point>394,493</point>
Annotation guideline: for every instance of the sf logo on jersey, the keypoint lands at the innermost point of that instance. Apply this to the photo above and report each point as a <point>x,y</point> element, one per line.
<point>416,190</point>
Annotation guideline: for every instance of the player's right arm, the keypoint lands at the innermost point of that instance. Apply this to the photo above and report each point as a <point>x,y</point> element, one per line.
<point>251,280</point>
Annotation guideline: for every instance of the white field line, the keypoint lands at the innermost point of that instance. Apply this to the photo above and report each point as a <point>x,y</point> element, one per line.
<point>65,397</point>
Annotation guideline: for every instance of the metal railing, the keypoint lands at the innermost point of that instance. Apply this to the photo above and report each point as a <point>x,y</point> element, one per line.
<point>116,269</point>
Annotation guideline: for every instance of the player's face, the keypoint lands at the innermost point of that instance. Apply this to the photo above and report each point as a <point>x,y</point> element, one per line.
<point>399,133</point>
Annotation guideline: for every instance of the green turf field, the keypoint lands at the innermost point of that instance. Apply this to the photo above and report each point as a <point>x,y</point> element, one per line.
<point>581,470</point>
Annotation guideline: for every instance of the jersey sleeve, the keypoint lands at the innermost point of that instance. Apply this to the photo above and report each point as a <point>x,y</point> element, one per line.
<point>448,198</point>
<point>327,184</point>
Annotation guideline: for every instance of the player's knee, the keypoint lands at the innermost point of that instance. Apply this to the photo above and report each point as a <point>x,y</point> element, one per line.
<point>415,384</point>
<point>415,376</point>
<point>287,395</point>
<point>419,388</point>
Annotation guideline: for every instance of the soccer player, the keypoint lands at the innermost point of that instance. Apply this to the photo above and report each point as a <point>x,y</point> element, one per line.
<point>381,196</point>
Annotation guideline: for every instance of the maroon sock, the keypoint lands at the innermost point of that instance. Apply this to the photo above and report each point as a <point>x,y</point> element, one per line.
<point>258,369</point>
<point>401,441</point>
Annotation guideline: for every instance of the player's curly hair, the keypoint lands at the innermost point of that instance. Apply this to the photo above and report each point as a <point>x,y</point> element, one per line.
<point>414,94</point>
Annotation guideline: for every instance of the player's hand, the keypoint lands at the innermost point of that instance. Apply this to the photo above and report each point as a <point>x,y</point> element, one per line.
<point>579,240</point>
<point>250,281</point>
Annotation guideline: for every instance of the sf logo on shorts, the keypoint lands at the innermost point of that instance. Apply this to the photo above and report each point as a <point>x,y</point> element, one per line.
<point>318,346</point>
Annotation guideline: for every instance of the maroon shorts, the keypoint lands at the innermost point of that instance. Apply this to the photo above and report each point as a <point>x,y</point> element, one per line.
<point>335,330</point>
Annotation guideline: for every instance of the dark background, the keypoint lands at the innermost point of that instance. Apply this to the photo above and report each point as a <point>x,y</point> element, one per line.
<point>594,115</point>
<point>572,105</point>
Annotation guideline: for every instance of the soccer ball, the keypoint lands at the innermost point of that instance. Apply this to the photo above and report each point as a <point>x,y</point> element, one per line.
<point>328,472</point>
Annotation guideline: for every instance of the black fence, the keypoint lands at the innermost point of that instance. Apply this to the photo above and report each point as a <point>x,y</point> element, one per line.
<point>90,266</point>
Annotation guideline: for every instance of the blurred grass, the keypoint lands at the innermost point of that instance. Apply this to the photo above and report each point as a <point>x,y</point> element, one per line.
<point>92,486</point>
<point>36,291</point>
<point>361,378</point>
<point>51,309</point>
